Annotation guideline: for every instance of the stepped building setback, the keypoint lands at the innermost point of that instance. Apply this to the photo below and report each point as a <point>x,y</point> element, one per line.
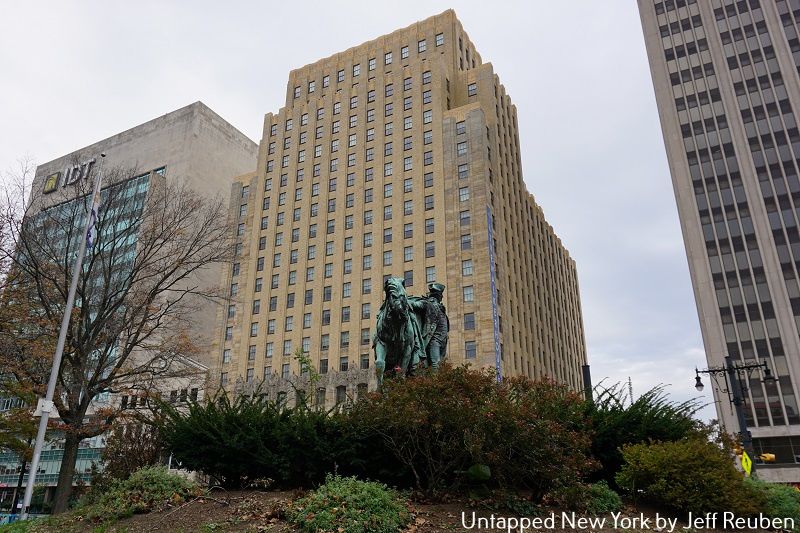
<point>726,82</point>
<point>398,157</point>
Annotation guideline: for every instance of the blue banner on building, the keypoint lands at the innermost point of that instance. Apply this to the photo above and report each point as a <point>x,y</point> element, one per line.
<point>493,276</point>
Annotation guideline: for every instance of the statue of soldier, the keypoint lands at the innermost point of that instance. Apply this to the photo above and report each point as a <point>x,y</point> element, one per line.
<point>436,324</point>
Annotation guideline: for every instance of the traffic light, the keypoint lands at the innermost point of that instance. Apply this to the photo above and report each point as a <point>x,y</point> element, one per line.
<point>767,457</point>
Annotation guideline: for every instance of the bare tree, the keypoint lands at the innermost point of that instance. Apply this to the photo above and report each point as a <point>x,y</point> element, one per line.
<point>139,290</point>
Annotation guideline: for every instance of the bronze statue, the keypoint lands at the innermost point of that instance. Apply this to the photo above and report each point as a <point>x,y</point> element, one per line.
<point>436,324</point>
<point>410,330</point>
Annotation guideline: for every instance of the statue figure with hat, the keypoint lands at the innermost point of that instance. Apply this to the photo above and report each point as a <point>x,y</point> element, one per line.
<point>435,323</point>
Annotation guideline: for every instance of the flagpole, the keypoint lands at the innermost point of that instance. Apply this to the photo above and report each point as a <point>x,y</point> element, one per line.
<point>45,405</point>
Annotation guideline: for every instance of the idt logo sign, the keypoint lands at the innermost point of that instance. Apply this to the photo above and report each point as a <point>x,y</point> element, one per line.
<point>71,174</point>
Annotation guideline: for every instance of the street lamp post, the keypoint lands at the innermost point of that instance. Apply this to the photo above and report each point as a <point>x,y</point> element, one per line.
<point>732,372</point>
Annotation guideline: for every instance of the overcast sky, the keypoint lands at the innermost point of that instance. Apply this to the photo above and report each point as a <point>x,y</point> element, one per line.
<point>592,153</point>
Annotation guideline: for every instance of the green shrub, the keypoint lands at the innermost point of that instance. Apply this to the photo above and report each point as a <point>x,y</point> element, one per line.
<point>584,498</point>
<point>616,421</point>
<point>250,437</point>
<point>603,499</point>
<point>692,474</point>
<point>780,501</point>
<point>347,504</point>
<point>145,490</point>
<point>438,425</point>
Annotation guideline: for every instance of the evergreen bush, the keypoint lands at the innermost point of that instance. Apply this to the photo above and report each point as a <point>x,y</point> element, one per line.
<point>347,504</point>
<point>617,420</point>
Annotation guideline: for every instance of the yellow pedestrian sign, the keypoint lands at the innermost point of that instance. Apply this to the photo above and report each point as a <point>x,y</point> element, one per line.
<point>747,463</point>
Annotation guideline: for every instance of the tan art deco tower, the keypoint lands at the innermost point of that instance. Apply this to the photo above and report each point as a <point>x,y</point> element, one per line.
<point>726,82</point>
<point>396,157</point>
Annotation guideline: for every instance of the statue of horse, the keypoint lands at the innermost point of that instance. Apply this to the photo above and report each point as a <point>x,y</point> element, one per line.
<point>398,342</point>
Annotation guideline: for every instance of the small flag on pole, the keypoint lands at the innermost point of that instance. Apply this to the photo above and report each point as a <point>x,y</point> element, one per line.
<point>91,231</point>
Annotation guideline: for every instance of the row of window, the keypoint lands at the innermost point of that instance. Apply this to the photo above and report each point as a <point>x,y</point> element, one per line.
<point>470,352</point>
<point>372,63</point>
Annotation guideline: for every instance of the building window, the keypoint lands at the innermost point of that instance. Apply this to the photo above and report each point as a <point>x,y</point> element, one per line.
<point>340,76</point>
<point>387,169</point>
<point>466,267</point>
<point>430,274</point>
<point>428,158</point>
<point>324,344</point>
<point>461,149</point>
<point>326,81</point>
<point>427,116</point>
<point>464,218</point>
<point>387,258</point>
<point>408,253</point>
<point>426,97</point>
<point>461,127</point>
<point>469,294</point>
<point>341,394</point>
<point>408,185</point>
<point>387,58</point>
<point>430,249</point>
<point>463,194</point>
<point>463,171</point>
<point>387,128</point>
<point>371,64</point>
<point>344,342</point>
<point>470,349</point>
<point>428,178</point>
<point>366,262</point>
<point>297,92</point>
<point>366,311</point>
<point>421,46</point>
<point>408,207</point>
<point>408,278</point>
<point>326,317</point>
<point>429,202</point>
<point>366,286</point>
<point>408,230</point>
<point>407,163</point>
<point>439,39</point>
<point>408,123</point>
<point>404,52</point>
<point>472,89</point>
<point>356,70</point>
<point>254,329</point>
<point>226,356</point>
<point>426,77</point>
